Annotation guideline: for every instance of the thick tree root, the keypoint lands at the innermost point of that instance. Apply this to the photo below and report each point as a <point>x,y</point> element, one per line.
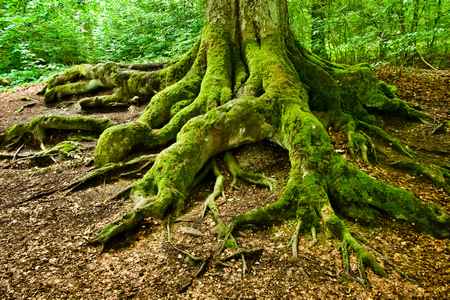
<point>251,177</point>
<point>38,128</point>
<point>362,198</point>
<point>128,84</point>
<point>438,175</point>
<point>164,188</point>
<point>396,143</point>
<point>340,230</point>
<point>334,225</point>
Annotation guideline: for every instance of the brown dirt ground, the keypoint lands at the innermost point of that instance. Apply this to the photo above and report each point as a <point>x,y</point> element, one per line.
<point>43,253</point>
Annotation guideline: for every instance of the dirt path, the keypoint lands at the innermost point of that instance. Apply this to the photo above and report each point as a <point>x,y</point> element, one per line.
<point>43,252</point>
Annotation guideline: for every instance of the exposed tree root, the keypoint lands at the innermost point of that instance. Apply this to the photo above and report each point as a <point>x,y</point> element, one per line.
<point>360,143</point>
<point>245,81</point>
<point>165,188</point>
<point>396,143</point>
<point>251,177</point>
<point>442,127</point>
<point>222,229</point>
<point>362,197</point>
<point>438,175</point>
<point>37,129</point>
<point>125,82</point>
<point>118,169</point>
<point>136,164</point>
<point>340,230</point>
<point>294,239</point>
<point>66,149</point>
<point>210,200</point>
<point>21,109</point>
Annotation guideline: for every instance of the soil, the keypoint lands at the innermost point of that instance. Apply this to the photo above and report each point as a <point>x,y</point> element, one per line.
<point>44,252</point>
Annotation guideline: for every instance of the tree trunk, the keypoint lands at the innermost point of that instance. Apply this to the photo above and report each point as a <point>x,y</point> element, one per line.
<point>245,81</point>
<point>318,28</point>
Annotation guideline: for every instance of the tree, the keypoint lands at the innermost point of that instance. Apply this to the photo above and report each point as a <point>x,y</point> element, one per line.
<point>318,28</point>
<point>244,81</point>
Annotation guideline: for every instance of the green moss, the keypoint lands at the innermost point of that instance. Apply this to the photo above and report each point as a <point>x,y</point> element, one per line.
<point>439,176</point>
<point>239,70</point>
<point>349,185</point>
<point>70,89</point>
<point>183,92</point>
<point>117,142</point>
<point>126,82</point>
<point>176,108</point>
<point>396,143</point>
<point>36,128</point>
<point>69,75</point>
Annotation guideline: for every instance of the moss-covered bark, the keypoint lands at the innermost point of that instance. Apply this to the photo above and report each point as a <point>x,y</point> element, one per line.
<point>36,130</point>
<point>247,80</point>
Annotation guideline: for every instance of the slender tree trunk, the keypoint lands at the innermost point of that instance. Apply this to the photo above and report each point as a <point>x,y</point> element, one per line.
<point>415,24</point>
<point>435,25</point>
<point>318,35</point>
<point>401,17</point>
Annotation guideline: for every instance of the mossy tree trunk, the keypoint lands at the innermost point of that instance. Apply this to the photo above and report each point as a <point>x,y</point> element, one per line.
<point>245,81</point>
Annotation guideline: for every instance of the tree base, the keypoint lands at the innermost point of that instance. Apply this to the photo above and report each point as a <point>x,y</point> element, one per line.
<point>234,89</point>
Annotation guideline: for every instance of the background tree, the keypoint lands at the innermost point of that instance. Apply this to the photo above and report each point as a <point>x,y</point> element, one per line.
<point>318,42</point>
<point>355,31</point>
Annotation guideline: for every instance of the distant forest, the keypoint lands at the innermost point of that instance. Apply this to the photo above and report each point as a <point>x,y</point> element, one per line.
<point>40,37</point>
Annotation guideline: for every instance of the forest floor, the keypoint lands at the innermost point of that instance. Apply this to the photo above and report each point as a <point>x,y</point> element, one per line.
<point>44,254</point>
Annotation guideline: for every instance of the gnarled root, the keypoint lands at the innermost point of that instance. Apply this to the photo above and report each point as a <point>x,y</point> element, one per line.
<point>164,188</point>
<point>361,197</point>
<point>126,84</point>
<point>37,128</point>
<point>338,228</point>
<point>136,165</point>
<point>438,175</point>
<point>251,177</point>
<point>65,149</point>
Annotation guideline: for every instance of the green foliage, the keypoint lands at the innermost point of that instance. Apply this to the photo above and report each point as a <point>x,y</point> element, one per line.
<point>138,29</point>
<point>395,31</point>
<point>41,32</point>
<point>39,36</point>
<point>32,73</point>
